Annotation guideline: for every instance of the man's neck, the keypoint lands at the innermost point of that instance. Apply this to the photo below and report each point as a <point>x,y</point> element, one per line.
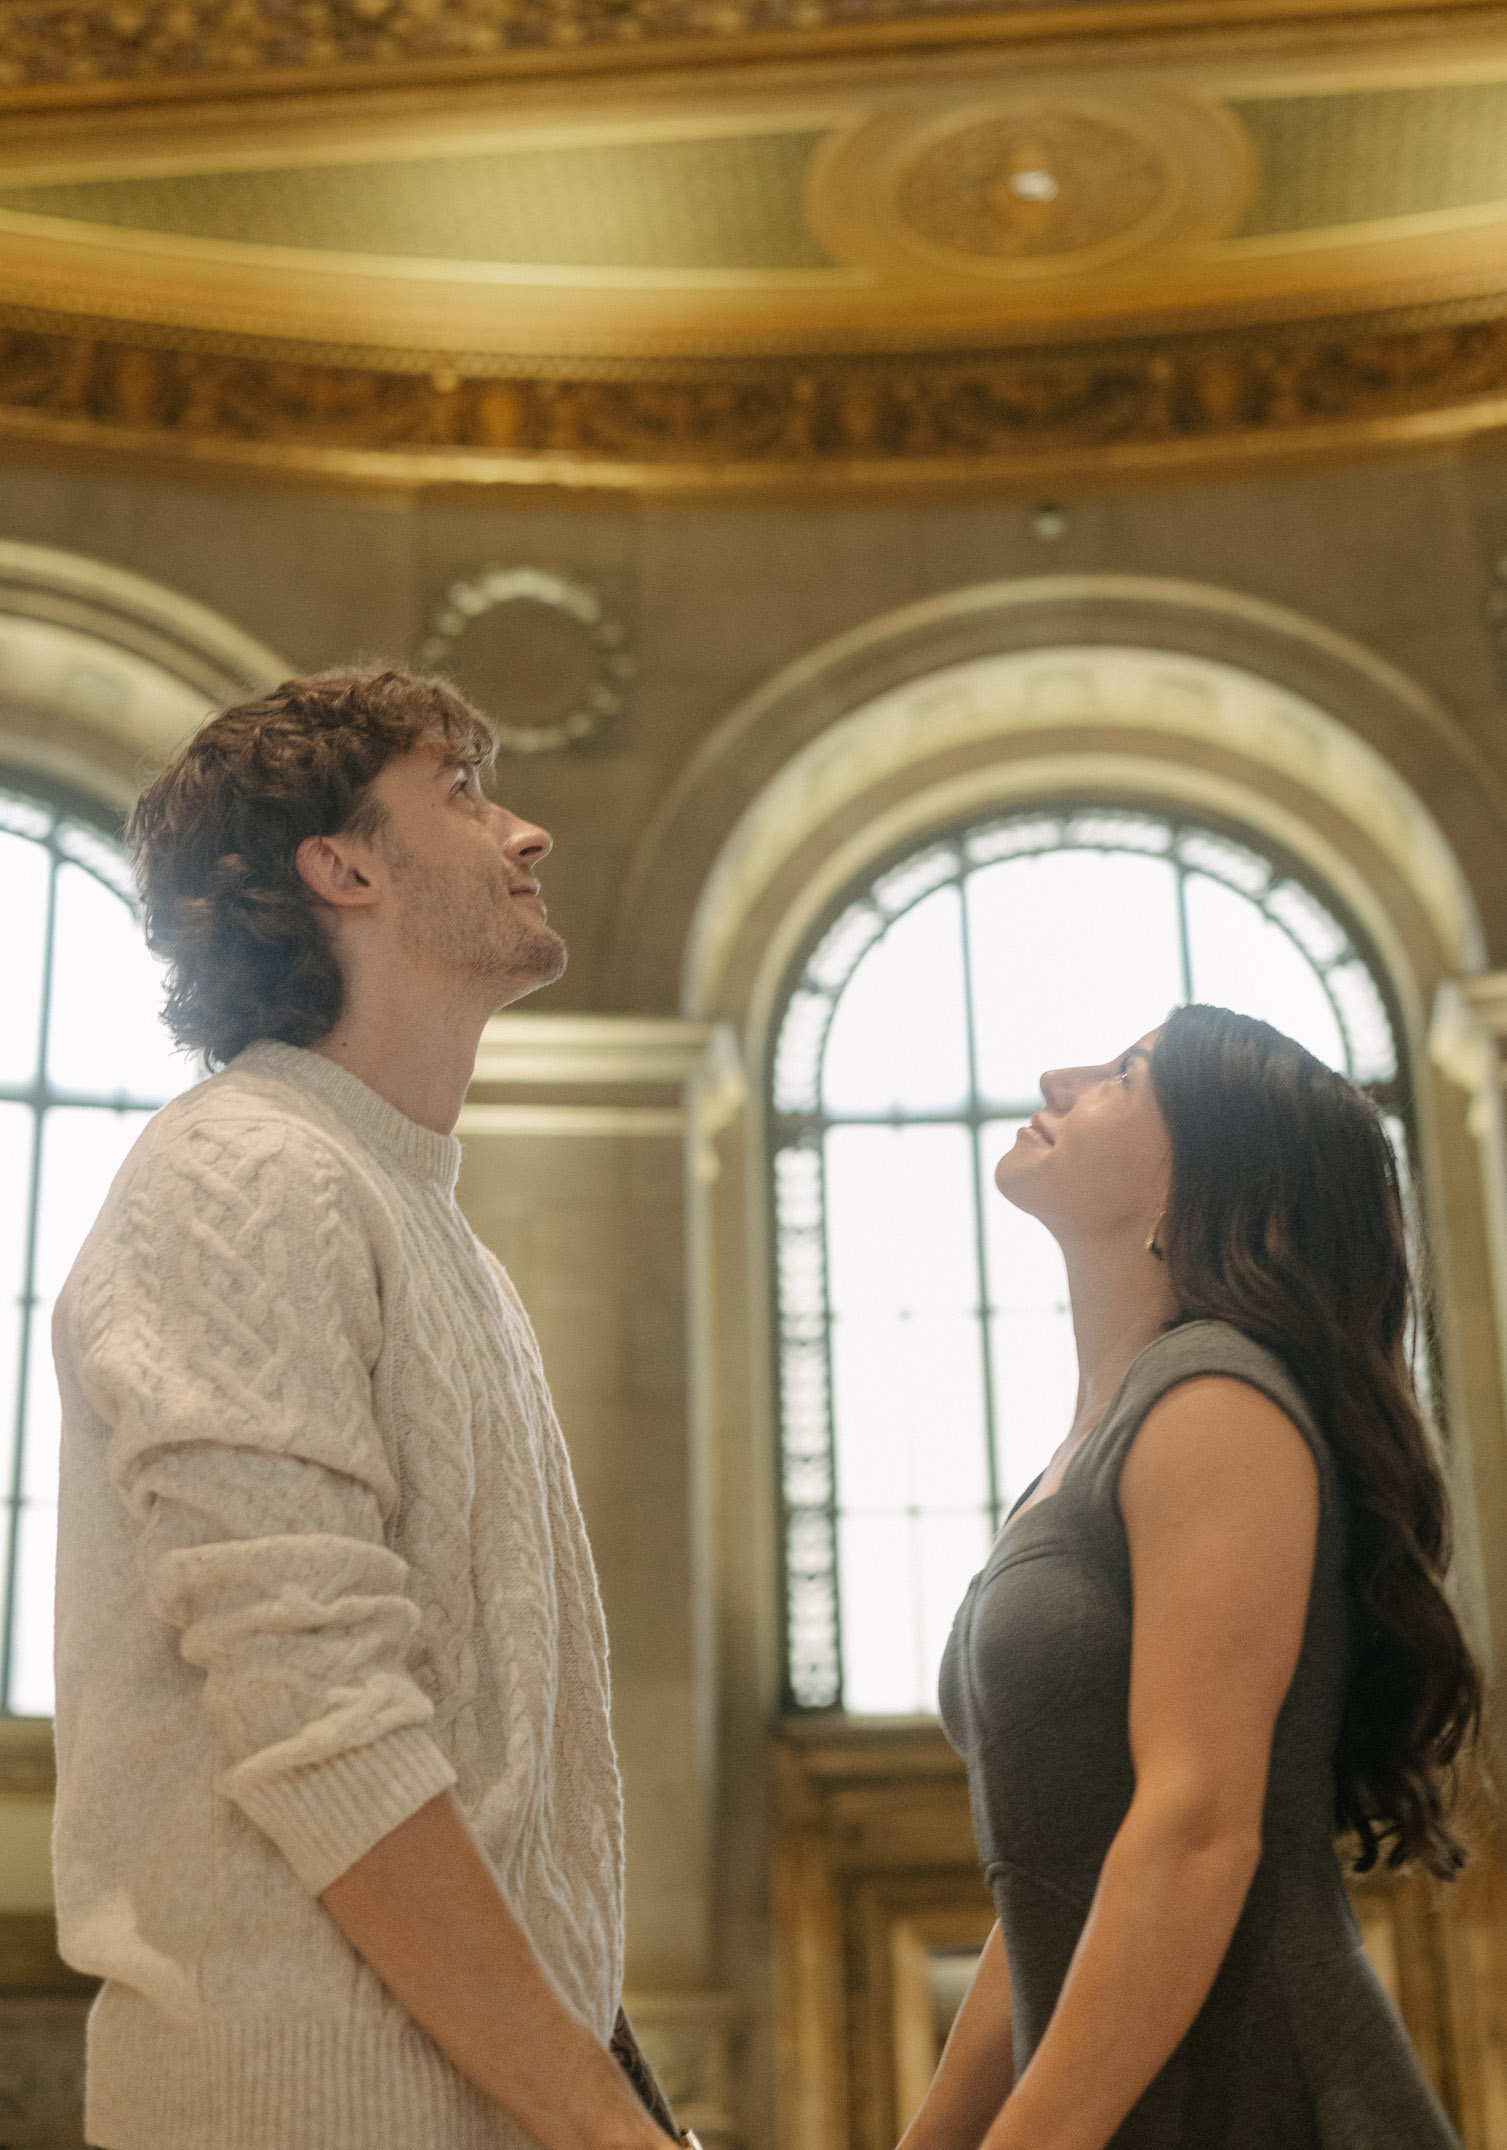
<point>1121,1302</point>
<point>419,1057</point>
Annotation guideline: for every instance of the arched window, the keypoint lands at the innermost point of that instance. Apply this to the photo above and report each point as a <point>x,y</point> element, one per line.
<point>84,1061</point>
<point>926,1365</point>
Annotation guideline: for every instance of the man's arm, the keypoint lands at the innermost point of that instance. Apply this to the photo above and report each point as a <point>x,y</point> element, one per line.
<point>423,1908</point>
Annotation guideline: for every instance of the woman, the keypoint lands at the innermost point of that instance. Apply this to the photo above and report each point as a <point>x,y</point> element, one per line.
<point>1211,1635</point>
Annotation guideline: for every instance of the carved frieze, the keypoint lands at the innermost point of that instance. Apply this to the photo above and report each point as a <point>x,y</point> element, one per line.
<point>1173,401</point>
<point>53,44</point>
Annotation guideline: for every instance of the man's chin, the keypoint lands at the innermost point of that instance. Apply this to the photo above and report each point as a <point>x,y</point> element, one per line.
<point>539,962</point>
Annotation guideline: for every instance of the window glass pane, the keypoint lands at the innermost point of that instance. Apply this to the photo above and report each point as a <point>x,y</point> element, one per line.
<point>903,1283</point>
<point>1024,1261</point>
<point>1075,955</point>
<point>900,1224</point>
<point>24,871</point>
<point>909,1409</point>
<point>1368,1029</point>
<point>797,1067</point>
<point>105,1035</point>
<point>31,1690</point>
<point>882,1671</point>
<point>1242,960</point>
<point>1035,1365</point>
<point>104,1040</point>
<point>83,1148</point>
<point>1321,937</point>
<point>899,1039</point>
<point>15,1210</point>
<point>842,945</point>
<point>811,1610</point>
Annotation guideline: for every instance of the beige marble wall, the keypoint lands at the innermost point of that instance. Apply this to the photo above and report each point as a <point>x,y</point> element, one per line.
<point>718,600</point>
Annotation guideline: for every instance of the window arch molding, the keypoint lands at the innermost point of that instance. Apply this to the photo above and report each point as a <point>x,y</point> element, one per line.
<point>103,671</point>
<point>1194,677</point>
<point>1272,723</point>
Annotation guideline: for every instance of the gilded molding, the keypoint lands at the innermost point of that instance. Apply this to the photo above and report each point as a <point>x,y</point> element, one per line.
<point>144,40</point>
<point>1002,417</point>
<point>134,49</point>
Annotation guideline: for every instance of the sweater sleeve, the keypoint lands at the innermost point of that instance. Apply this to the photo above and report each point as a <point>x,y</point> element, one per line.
<point>226,1336</point>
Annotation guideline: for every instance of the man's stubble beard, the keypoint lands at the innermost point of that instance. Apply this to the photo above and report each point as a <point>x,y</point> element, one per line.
<point>467,922</point>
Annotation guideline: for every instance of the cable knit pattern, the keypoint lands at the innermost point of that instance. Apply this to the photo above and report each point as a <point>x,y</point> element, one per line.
<point>320,1557</point>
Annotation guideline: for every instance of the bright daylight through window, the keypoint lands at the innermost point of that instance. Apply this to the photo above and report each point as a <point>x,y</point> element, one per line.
<point>84,1060</point>
<point>926,1355</point>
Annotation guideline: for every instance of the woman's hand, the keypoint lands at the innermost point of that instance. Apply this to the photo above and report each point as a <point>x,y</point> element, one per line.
<point>1220,1501</point>
<point>974,2075</point>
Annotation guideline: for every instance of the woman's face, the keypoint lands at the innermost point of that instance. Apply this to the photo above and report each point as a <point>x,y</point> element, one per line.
<point>1096,1161</point>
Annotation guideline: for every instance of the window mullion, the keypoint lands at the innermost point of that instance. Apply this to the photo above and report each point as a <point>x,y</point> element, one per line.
<point>980,1247</point>
<point>28,1297</point>
<point>1184,938</point>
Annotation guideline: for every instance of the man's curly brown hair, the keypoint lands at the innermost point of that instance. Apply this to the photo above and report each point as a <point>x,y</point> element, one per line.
<point>216,836</point>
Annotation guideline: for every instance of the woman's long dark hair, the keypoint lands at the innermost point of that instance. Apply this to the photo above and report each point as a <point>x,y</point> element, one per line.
<point>1286,1220</point>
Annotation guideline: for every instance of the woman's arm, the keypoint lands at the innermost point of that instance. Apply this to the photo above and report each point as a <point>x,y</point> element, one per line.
<point>976,2069</point>
<point>1220,1501</point>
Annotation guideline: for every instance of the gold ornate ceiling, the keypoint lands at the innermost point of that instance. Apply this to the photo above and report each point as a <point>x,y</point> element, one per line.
<point>1021,245</point>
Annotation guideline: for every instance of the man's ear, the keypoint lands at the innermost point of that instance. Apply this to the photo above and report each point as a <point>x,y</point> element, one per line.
<point>328,868</point>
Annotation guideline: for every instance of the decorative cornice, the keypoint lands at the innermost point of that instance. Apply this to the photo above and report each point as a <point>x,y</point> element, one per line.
<point>1027,418</point>
<point>52,51</point>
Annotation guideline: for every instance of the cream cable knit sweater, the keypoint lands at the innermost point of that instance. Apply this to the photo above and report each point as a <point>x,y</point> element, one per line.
<point>320,1557</point>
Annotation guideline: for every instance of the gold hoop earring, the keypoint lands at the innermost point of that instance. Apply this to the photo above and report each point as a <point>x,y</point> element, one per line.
<point>1151,1246</point>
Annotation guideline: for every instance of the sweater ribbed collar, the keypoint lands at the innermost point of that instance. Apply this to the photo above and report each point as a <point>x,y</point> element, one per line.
<point>400,1143</point>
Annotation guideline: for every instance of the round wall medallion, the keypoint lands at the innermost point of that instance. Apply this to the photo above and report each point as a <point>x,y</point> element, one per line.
<point>1032,184</point>
<point>537,652</point>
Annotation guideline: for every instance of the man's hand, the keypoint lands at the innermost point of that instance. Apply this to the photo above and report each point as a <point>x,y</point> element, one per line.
<point>423,1908</point>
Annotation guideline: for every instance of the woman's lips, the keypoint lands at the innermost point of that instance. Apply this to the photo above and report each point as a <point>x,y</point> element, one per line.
<point>1034,1127</point>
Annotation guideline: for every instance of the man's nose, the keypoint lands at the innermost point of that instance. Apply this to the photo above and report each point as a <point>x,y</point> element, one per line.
<point>524,841</point>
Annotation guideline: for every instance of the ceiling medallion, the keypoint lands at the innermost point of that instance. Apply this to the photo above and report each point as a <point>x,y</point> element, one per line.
<point>579,639</point>
<point>1047,193</point>
<point>1032,185</point>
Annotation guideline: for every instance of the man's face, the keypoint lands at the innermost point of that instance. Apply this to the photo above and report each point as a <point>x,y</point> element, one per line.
<point>462,878</point>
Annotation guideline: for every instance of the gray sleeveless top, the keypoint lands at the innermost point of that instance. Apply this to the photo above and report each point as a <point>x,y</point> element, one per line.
<point>1297,2046</point>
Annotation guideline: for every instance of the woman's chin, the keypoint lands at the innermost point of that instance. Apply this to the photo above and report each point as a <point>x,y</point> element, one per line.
<point>1012,1178</point>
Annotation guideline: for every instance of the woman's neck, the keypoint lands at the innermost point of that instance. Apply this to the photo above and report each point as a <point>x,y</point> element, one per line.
<point>1121,1302</point>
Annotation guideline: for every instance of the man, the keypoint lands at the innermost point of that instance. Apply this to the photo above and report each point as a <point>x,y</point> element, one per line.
<point>338,1820</point>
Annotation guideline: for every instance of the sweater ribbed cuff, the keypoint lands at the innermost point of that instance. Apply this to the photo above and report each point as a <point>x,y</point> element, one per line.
<point>323,1818</point>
